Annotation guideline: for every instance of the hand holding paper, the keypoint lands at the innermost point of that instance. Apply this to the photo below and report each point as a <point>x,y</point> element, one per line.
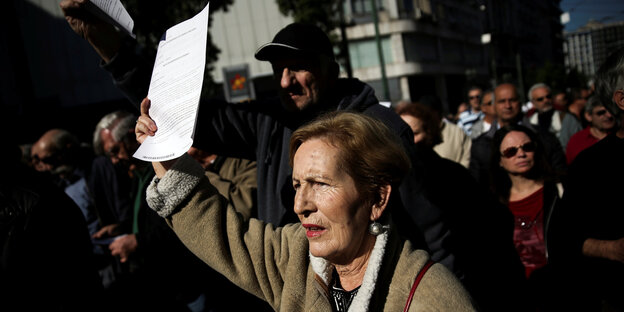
<point>175,89</point>
<point>113,12</point>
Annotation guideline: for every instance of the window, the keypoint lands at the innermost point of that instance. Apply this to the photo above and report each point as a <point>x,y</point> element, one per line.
<point>364,54</point>
<point>364,6</point>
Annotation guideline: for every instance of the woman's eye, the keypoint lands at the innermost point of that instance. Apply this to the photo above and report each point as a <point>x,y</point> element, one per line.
<point>319,184</point>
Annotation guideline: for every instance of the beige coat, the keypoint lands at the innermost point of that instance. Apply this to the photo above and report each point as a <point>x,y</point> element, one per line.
<point>274,263</point>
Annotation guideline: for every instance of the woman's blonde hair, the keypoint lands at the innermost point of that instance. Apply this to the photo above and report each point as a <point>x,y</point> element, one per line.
<point>368,151</point>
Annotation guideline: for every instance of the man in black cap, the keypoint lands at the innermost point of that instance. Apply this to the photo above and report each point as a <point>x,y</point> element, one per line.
<point>306,74</point>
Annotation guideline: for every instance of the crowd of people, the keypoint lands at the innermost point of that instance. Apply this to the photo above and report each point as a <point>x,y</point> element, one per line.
<point>321,199</point>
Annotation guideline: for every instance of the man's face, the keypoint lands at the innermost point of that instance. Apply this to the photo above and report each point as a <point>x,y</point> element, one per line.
<point>301,82</point>
<point>474,97</point>
<point>117,151</point>
<point>41,156</point>
<point>541,98</point>
<point>487,107</point>
<point>507,106</point>
<point>601,119</point>
<point>560,100</point>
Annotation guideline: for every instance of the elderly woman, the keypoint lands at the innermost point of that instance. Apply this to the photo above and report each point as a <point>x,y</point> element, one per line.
<point>345,254</point>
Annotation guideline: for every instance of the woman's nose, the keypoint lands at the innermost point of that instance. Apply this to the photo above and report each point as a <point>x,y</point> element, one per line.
<point>303,205</point>
<point>521,152</point>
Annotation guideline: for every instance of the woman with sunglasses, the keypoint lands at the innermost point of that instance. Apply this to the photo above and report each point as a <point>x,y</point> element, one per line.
<point>523,181</point>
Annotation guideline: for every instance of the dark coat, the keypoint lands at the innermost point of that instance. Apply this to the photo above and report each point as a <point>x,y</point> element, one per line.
<point>591,208</point>
<point>46,260</point>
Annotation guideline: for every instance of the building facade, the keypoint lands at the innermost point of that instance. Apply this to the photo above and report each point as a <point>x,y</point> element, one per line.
<point>429,47</point>
<point>587,47</point>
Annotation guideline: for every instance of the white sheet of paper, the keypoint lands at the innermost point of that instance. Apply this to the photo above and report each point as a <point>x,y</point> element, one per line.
<point>175,88</point>
<point>113,12</point>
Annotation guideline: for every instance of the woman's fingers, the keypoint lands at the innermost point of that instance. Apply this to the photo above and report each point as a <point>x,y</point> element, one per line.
<point>145,126</point>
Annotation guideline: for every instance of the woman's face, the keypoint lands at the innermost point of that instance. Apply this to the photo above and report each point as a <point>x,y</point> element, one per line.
<point>328,204</point>
<point>416,125</point>
<point>523,160</point>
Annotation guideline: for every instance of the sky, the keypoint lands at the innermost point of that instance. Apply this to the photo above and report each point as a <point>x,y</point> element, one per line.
<point>581,11</point>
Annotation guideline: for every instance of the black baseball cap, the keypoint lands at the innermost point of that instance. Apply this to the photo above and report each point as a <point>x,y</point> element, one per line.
<point>296,39</point>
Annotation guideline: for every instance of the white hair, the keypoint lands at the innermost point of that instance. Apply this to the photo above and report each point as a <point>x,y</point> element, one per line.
<point>536,86</point>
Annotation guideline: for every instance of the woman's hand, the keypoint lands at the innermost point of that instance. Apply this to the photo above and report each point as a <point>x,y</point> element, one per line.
<point>145,125</point>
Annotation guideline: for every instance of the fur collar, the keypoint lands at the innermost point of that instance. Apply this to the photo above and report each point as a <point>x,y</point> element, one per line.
<point>361,301</point>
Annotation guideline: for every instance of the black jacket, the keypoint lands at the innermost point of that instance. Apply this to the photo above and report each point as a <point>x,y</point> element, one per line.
<point>46,260</point>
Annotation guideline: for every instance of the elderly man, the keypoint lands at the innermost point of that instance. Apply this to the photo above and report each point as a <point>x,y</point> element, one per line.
<point>58,152</point>
<point>473,114</point>
<point>590,223</point>
<point>150,253</point>
<point>601,123</point>
<point>508,111</point>
<point>562,124</point>
<point>306,75</point>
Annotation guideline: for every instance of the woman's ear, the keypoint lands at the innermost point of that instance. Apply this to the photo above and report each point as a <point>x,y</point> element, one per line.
<point>380,206</point>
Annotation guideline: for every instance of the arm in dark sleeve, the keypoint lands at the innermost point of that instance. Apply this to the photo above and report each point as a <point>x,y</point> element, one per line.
<point>131,72</point>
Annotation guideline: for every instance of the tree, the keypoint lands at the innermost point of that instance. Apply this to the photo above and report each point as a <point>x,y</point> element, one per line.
<point>152,18</point>
<point>322,13</point>
<point>326,14</point>
<point>557,77</point>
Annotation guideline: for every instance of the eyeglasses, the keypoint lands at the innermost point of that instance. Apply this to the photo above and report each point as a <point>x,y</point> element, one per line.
<point>539,99</point>
<point>50,160</point>
<point>474,97</point>
<point>512,151</point>
<point>600,112</point>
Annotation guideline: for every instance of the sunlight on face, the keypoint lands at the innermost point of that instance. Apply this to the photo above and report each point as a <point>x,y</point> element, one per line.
<point>522,161</point>
<point>300,83</point>
<point>328,204</point>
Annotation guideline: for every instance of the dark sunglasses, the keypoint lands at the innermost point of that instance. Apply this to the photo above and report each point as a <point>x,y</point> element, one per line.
<point>600,112</point>
<point>50,160</point>
<point>512,151</point>
<point>547,96</point>
<point>474,97</point>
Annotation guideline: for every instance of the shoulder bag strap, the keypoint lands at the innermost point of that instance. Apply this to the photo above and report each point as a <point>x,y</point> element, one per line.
<point>416,282</point>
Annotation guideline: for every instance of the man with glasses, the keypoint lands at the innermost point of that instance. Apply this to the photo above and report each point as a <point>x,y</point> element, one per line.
<point>59,153</point>
<point>547,118</point>
<point>473,114</point>
<point>601,123</point>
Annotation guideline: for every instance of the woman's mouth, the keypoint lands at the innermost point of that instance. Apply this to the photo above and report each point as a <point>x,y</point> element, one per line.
<point>313,230</point>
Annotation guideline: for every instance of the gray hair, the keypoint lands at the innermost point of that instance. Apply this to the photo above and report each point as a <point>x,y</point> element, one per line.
<point>592,103</point>
<point>118,122</point>
<point>610,78</point>
<point>537,86</point>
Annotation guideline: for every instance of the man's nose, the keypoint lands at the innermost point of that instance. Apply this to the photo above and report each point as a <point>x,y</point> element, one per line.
<point>287,78</point>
